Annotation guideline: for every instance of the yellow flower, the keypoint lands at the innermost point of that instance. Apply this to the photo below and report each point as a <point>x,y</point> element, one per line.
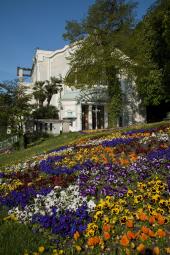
<point>108,198</point>
<point>137,199</point>
<point>122,202</point>
<point>106,219</point>
<point>55,252</point>
<point>98,214</point>
<point>115,210</point>
<point>162,202</point>
<point>155,198</point>
<point>90,232</point>
<point>41,249</point>
<point>160,210</point>
<point>78,248</point>
<point>61,252</point>
<point>130,193</point>
<point>123,219</point>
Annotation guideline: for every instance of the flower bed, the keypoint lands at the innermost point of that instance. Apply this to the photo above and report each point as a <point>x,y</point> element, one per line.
<point>103,195</point>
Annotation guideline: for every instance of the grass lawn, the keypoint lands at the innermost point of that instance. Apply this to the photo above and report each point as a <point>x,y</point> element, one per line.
<point>44,146</point>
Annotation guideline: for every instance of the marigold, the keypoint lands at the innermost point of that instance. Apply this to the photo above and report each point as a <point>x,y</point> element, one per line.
<point>106,235</point>
<point>124,241</point>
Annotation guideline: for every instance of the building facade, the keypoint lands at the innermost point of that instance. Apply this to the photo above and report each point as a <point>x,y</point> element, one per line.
<point>82,111</point>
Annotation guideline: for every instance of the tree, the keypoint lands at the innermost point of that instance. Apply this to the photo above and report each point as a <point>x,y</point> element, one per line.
<point>46,112</point>
<point>15,107</point>
<point>52,87</point>
<point>106,28</point>
<point>39,92</point>
<point>44,90</point>
<point>151,52</point>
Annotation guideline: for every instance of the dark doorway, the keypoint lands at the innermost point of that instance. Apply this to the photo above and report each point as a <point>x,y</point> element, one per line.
<point>157,113</point>
<point>85,124</point>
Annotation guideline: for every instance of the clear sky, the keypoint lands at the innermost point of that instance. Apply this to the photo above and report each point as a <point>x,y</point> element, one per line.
<point>28,24</point>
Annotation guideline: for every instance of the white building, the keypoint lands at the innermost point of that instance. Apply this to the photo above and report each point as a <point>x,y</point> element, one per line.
<point>82,113</point>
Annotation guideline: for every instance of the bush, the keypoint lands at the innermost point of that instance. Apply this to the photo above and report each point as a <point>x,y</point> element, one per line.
<point>46,112</point>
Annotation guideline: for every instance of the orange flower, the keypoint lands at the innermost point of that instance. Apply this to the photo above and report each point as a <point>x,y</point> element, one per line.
<point>133,156</point>
<point>143,216</point>
<point>106,227</point>
<point>143,237</point>
<point>156,251</point>
<point>106,235</point>
<point>161,220</point>
<point>151,233</point>
<point>140,247</point>
<point>151,220</point>
<point>145,230</point>
<point>124,162</point>
<point>158,215</point>
<point>129,223</point>
<point>131,235</point>
<point>124,240</point>
<point>160,233</point>
<point>76,235</point>
<point>92,241</point>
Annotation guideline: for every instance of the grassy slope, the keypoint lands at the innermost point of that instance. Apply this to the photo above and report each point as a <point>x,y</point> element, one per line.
<point>55,142</point>
<point>49,144</point>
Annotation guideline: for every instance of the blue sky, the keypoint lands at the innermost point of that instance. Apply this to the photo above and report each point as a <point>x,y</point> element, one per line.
<point>28,24</point>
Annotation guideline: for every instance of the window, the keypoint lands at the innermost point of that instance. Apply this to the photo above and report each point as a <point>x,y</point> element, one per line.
<point>69,114</point>
<point>46,126</point>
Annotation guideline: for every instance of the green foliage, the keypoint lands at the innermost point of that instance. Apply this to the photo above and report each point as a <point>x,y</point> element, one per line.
<point>39,92</point>
<point>47,145</point>
<point>46,112</point>
<point>44,90</point>
<point>151,53</point>
<point>107,27</point>
<point>52,87</point>
<point>14,104</point>
<point>17,238</point>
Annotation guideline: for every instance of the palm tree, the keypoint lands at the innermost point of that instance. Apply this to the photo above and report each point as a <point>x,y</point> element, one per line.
<point>52,87</point>
<point>39,92</point>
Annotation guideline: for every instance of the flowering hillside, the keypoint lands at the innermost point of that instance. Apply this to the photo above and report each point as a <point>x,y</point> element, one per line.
<point>101,195</point>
